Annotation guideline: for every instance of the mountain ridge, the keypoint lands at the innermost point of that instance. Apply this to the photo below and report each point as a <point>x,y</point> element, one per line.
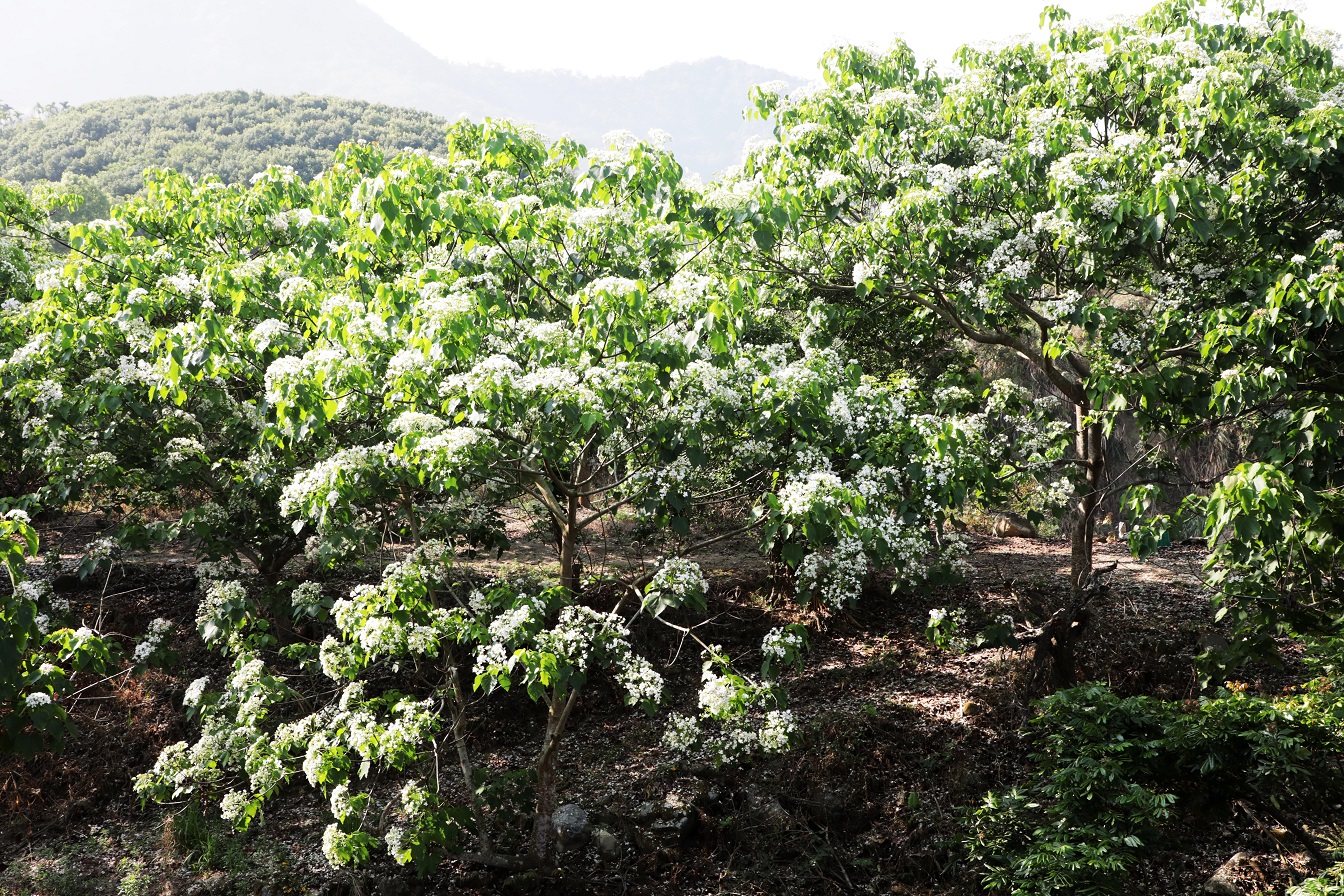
<point>165,48</point>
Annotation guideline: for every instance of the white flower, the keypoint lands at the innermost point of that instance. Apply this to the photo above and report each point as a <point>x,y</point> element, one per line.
<point>208,571</point>
<point>641,682</point>
<point>396,840</point>
<point>619,139</point>
<point>777,731</point>
<point>777,644</point>
<point>716,696</point>
<point>307,596</point>
<point>33,591</point>
<point>417,423</point>
<point>340,801</point>
<point>37,698</point>
<point>799,497</point>
<point>195,691</point>
<point>828,179</point>
<point>679,578</point>
<point>333,841</point>
<point>682,733</point>
<point>492,656</point>
<point>232,806</point>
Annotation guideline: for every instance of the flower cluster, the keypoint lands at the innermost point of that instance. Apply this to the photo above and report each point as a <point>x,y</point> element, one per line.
<point>306,599</point>
<point>195,692</point>
<point>154,639</point>
<point>677,582</point>
<point>783,647</point>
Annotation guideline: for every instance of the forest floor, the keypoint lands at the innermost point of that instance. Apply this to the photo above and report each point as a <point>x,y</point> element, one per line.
<point>897,738</point>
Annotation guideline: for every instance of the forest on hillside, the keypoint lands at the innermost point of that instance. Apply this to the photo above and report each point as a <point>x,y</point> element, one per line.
<point>105,147</point>
<point>947,499</point>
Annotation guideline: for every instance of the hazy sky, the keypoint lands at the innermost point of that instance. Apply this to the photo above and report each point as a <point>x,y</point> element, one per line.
<point>620,37</point>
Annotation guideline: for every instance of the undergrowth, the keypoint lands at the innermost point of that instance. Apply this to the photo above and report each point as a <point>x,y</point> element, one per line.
<point>1111,773</point>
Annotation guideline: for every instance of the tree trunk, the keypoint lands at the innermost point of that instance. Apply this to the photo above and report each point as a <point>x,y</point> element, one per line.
<point>543,835</point>
<point>1091,448</point>
<point>543,831</point>
<point>569,547</point>
<point>1060,635</point>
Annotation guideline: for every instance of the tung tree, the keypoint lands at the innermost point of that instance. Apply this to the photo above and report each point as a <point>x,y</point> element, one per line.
<point>1078,202</point>
<point>529,327</point>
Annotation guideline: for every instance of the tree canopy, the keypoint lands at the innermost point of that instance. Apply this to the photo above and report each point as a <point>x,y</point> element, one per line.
<point>392,354</point>
<point>1109,205</point>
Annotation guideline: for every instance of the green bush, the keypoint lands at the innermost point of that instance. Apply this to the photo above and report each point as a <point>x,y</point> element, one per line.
<point>1110,770</point>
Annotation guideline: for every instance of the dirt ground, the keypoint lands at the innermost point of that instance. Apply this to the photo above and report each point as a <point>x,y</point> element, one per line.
<point>897,736</point>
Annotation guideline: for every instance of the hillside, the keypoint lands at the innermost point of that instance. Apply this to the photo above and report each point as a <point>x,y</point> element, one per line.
<point>161,48</point>
<point>171,47</point>
<point>233,135</point>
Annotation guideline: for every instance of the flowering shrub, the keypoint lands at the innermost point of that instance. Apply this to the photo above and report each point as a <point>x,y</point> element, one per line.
<point>738,716</point>
<point>39,654</point>
<point>416,341</point>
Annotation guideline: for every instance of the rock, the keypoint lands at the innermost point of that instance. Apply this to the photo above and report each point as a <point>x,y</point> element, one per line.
<point>476,880</point>
<point>711,798</point>
<point>392,886</point>
<point>185,585</point>
<point>1212,642</point>
<point>214,885</point>
<point>837,805</point>
<point>972,708</point>
<point>670,832</point>
<point>1224,880</point>
<point>608,847</point>
<point>767,809</point>
<point>571,827</point>
<point>828,804</point>
<point>1010,525</point>
<point>969,780</point>
<point>675,804</point>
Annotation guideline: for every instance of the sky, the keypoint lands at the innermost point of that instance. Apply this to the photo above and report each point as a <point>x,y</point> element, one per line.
<point>620,37</point>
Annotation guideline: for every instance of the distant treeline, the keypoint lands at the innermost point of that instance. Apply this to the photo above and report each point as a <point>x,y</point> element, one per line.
<point>104,147</point>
